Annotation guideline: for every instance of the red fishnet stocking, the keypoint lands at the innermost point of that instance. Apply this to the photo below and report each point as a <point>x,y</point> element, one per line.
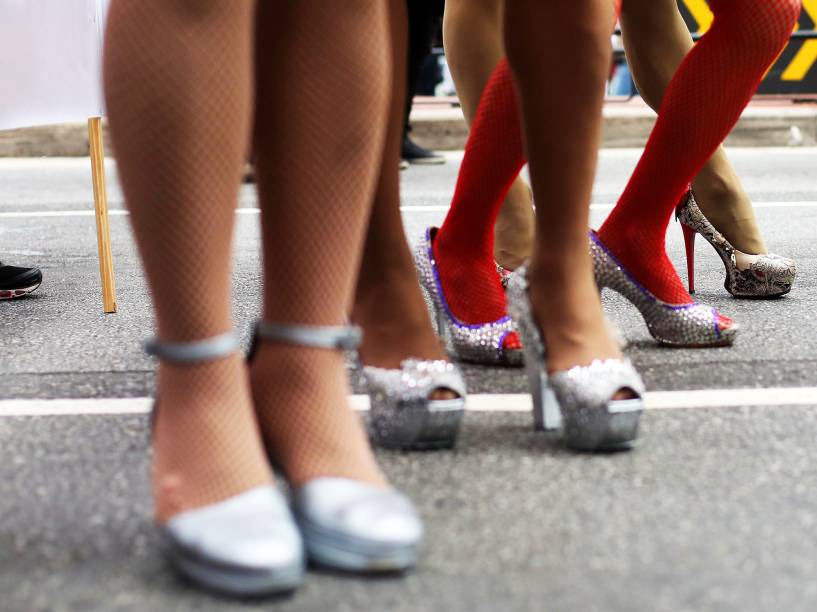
<point>464,245</point>
<point>702,103</point>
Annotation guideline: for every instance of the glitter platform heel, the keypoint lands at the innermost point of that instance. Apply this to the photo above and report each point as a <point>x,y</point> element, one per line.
<point>482,343</point>
<point>579,400</point>
<point>403,413</point>
<point>692,325</point>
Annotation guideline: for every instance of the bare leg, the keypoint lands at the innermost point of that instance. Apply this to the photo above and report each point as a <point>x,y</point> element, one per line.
<point>388,303</point>
<point>472,31</point>
<point>657,40</point>
<point>563,42</point>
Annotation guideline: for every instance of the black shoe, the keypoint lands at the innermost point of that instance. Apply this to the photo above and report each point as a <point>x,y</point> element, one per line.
<point>415,154</point>
<point>16,282</point>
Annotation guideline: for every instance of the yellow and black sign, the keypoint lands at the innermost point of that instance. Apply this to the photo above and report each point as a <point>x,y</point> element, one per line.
<point>794,71</point>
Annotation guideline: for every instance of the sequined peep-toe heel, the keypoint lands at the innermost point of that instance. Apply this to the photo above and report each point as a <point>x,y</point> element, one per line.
<point>579,400</point>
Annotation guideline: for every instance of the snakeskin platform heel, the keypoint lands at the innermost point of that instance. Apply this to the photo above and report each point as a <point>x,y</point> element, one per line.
<point>692,325</point>
<point>481,343</point>
<point>346,524</point>
<point>403,414</point>
<point>246,545</point>
<point>579,400</point>
<point>747,276</point>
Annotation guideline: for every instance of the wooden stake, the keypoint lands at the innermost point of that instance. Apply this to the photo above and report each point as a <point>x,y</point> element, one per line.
<point>103,231</point>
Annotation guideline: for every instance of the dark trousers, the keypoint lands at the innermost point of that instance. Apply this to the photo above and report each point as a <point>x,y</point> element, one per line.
<point>423,21</point>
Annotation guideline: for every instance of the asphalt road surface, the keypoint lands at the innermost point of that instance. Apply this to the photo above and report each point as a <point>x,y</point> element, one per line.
<point>716,509</point>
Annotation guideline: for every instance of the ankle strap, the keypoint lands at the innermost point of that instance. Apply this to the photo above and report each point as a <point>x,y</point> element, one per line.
<point>340,337</point>
<point>191,352</point>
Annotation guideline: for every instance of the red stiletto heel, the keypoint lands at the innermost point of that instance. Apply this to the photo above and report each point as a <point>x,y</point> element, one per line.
<point>689,244</point>
<point>764,276</point>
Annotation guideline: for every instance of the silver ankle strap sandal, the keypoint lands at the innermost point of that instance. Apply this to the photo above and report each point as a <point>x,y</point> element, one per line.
<point>341,337</point>
<point>347,524</point>
<point>192,352</point>
<point>246,545</point>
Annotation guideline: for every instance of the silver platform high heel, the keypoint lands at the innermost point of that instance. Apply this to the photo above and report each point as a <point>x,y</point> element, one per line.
<point>692,325</point>
<point>579,400</point>
<point>750,276</point>
<point>347,524</point>
<point>481,343</point>
<point>403,415</point>
<point>246,545</point>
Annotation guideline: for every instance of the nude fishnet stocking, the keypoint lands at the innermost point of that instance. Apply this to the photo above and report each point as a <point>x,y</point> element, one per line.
<point>319,140</point>
<point>178,83</point>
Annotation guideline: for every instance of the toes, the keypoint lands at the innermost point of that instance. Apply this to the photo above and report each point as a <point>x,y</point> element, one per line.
<point>512,342</point>
<point>724,322</point>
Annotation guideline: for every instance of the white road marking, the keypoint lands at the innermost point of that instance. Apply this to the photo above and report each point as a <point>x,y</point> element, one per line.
<point>25,214</point>
<point>489,402</point>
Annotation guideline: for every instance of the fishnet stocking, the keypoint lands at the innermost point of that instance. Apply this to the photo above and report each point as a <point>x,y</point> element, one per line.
<point>464,244</point>
<point>178,81</point>
<point>205,439</point>
<point>319,137</point>
<point>702,102</point>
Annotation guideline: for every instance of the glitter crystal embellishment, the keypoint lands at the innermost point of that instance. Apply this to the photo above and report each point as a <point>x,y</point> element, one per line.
<point>481,343</point>
<point>682,325</point>
<point>579,400</point>
<point>403,413</point>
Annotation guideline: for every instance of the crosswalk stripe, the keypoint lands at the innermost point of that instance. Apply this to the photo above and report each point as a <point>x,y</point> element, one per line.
<point>478,402</point>
<point>26,214</point>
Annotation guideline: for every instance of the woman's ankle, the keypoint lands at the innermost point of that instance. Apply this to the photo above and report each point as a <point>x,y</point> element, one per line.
<point>301,399</point>
<point>206,446</point>
<point>395,323</point>
<point>388,345</point>
<point>572,321</point>
<point>514,228</point>
<point>730,212</point>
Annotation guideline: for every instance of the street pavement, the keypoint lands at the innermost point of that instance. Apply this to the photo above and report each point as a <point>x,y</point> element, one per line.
<point>716,508</point>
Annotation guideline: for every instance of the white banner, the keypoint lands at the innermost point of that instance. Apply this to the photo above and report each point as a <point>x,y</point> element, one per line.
<point>50,61</point>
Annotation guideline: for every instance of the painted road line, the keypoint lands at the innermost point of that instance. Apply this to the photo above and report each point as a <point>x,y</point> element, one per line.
<point>488,402</point>
<point>26,214</point>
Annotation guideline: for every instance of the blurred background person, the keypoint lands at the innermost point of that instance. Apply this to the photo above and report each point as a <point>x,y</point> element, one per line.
<point>423,26</point>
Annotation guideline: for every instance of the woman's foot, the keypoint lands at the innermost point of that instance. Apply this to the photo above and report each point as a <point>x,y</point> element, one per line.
<point>349,516</point>
<point>759,275</point>
<point>585,388</point>
<point>472,290</point>
<point>567,307</point>
<point>481,338</point>
<point>300,395</point>
<point>206,444</point>
<point>396,326</point>
<point>224,525</point>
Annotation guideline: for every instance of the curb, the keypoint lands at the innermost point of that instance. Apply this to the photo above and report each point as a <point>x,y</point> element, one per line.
<point>444,129</point>
<point>61,140</point>
<point>628,125</point>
